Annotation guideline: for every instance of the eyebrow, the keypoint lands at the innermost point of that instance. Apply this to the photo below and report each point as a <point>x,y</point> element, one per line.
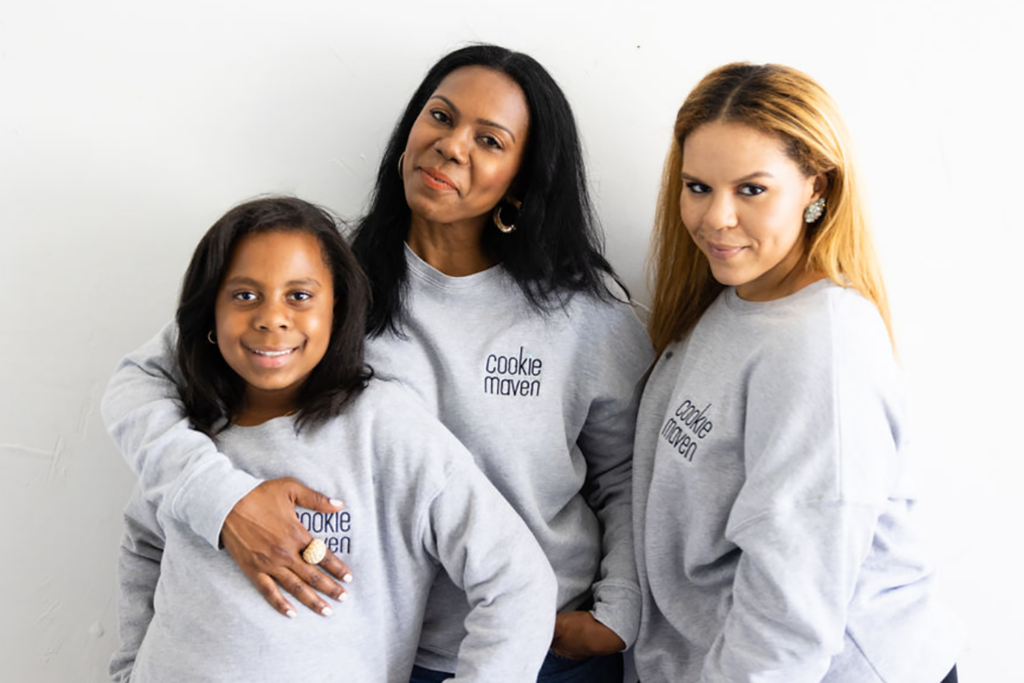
<point>241,280</point>
<point>486,122</point>
<point>749,176</point>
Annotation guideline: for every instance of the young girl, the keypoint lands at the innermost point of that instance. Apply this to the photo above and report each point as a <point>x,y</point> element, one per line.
<point>270,353</point>
<point>771,495</point>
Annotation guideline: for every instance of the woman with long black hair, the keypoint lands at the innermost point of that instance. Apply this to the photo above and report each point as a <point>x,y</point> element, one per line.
<point>492,300</point>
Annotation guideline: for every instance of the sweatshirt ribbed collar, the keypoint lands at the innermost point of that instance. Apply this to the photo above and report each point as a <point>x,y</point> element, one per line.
<point>423,271</point>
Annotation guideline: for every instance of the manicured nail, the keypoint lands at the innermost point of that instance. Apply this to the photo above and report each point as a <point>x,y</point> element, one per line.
<point>347,578</point>
<point>326,611</point>
<point>290,614</point>
<point>337,503</point>
<point>343,597</point>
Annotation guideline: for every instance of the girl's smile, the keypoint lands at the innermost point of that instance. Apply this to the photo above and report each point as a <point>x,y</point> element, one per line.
<point>269,358</point>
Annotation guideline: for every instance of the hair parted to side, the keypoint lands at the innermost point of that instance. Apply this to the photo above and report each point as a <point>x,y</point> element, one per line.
<point>785,103</point>
<point>557,245</point>
<point>210,389</point>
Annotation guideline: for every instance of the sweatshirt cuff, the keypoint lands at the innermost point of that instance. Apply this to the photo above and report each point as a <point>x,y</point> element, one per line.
<point>618,608</point>
<point>209,495</point>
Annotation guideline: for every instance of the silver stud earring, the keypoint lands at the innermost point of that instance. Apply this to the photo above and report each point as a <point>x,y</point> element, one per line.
<point>815,210</point>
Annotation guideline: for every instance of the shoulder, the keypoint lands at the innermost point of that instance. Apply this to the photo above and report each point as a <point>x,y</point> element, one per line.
<point>822,319</point>
<point>610,341</point>
<point>612,314</point>
<point>403,429</point>
<point>394,411</point>
<point>387,395</point>
<point>823,335</point>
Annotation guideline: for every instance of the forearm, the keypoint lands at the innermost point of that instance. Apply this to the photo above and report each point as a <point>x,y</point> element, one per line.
<point>609,456</point>
<point>617,591</point>
<point>509,584</point>
<point>179,469</point>
<point>794,581</point>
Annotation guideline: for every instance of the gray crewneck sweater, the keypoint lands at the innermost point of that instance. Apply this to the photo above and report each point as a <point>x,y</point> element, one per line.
<point>545,401</point>
<point>414,504</point>
<point>772,503</point>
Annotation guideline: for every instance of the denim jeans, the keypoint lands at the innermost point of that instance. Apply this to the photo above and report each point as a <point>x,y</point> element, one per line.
<point>554,670</point>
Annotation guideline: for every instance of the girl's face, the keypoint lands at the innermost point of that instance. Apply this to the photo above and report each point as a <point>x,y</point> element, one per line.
<point>274,314</point>
<point>743,201</point>
<point>466,147</point>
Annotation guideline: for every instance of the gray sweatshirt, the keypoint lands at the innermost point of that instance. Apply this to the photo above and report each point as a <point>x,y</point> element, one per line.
<point>772,503</point>
<point>414,503</point>
<point>545,401</point>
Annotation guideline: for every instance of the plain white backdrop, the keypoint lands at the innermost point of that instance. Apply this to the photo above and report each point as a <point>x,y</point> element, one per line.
<point>127,128</point>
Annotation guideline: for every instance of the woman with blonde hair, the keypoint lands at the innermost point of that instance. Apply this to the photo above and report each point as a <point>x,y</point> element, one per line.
<point>771,493</point>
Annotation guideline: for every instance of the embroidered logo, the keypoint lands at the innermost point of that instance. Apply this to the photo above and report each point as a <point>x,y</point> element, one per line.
<point>333,528</point>
<point>686,427</point>
<point>513,375</point>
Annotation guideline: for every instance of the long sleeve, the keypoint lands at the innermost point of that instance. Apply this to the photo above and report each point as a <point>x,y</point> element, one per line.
<point>138,570</point>
<point>607,444</point>
<point>489,552</point>
<point>820,449</point>
<point>179,468</point>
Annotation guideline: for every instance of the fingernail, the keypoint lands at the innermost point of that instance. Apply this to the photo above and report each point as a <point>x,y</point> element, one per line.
<point>290,614</point>
<point>326,611</point>
<point>343,597</point>
<point>337,503</point>
<point>347,578</point>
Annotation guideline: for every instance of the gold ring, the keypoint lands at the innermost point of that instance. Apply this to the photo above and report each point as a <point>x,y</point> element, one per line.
<point>315,552</point>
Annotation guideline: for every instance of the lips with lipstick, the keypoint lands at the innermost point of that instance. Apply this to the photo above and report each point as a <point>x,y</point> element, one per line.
<point>436,180</point>
<point>723,251</point>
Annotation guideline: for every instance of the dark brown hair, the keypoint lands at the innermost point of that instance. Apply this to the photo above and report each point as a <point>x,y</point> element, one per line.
<point>211,391</point>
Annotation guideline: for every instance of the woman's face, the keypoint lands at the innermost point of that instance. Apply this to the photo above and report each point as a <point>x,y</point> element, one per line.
<point>743,201</point>
<point>466,146</point>
<point>274,314</point>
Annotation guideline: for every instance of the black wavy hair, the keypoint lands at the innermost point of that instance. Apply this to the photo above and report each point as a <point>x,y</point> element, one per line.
<point>557,246</point>
<point>211,391</point>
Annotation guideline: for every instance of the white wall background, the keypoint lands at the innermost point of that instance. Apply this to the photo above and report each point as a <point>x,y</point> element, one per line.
<point>127,128</point>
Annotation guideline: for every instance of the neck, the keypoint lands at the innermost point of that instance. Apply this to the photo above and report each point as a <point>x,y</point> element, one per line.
<point>455,249</point>
<point>261,406</point>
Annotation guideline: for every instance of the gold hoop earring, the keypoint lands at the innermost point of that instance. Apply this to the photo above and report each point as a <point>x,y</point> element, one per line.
<point>400,160</point>
<point>496,214</point>
<point>210,338</point>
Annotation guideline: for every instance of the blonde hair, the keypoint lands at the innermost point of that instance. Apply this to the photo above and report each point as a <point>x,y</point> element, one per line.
<point>784,103</point>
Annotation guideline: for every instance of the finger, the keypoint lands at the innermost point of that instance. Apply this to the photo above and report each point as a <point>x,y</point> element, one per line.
<point>294,584</point>
<point>336,568</point>
<point>268,589</point>
<point>318,580</point>
<point>322,583</point>
<point>314,500</point>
